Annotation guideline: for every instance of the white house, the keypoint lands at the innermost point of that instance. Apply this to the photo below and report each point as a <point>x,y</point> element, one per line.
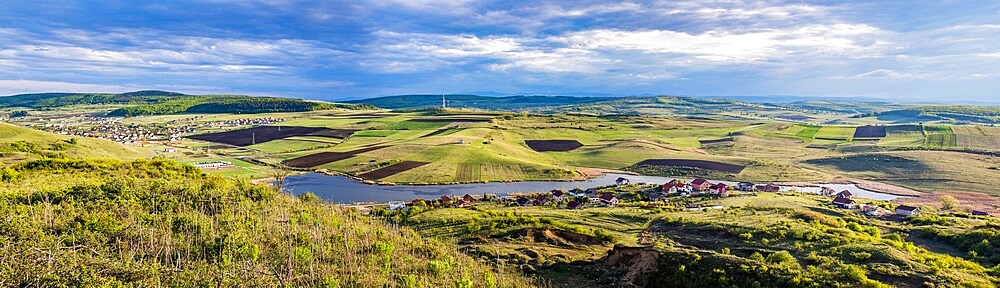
<point>621,181</point>
<point>396,205</point>
<point>904,210</point>
<point>609,200</point>
<point>558,195</point>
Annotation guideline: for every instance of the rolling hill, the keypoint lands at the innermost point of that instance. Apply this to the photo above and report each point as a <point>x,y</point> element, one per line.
<point>154,102</point>
<point>473,101</point>
<point>20,144</point>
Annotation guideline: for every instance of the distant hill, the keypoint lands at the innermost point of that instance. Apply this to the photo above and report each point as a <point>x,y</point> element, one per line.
<point>154,102</point>
<point>475,101</point>
<point>953,114</point>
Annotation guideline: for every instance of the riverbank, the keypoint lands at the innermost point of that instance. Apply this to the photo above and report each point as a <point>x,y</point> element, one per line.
<point>343,189</point>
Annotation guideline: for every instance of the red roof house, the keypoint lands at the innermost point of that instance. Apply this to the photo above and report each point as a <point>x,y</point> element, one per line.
<point>700,184</point>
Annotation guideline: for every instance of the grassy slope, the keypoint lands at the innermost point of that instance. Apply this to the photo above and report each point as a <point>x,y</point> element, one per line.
<point>84,147</point>
<point>815,234</point>
<point>163,224</point>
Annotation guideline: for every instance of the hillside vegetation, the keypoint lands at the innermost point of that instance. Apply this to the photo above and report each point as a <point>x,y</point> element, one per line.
<point>87,223</point>
<point>152,102</point>
<point>20,144</point>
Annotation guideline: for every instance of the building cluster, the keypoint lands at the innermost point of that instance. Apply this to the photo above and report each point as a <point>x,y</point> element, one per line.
<point>112,128</point>
<point>213,165</point>
<point>702,187</point>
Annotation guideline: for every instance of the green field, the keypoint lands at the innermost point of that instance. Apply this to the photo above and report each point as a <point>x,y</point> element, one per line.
<point>903,136</point>
<point>940,136</point>
<point>836,133</point>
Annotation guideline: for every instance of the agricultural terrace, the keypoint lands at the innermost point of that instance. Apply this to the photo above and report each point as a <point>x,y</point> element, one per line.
<point>474,146</point>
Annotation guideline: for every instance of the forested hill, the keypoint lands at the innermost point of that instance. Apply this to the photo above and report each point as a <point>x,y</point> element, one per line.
<point>153,102</point>
<point>474,101</point>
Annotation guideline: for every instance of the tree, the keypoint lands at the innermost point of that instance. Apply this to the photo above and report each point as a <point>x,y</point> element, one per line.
<point>280,173</point>
<point>19,114</point>
<point>948,202</point>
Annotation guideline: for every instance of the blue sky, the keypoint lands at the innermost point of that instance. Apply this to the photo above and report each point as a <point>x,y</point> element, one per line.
<point>915,50</point>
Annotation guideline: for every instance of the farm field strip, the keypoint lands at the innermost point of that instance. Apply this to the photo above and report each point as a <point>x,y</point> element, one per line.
<point>835,133</point>
<point>392,170</point>
<point>870,132</point>
<point>553,145</point>
<point>903,136</point>
<point>980,137</point>
<point>702,164</point>
<point>261,134</point>
<point>940,136</point>
<point>321,158</point>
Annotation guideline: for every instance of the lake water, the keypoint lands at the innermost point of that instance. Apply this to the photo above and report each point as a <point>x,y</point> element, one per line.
<point>339,189</point>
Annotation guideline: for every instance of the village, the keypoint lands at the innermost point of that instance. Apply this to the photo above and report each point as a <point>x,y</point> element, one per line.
<point>134,133</point>
<point>675,194</point>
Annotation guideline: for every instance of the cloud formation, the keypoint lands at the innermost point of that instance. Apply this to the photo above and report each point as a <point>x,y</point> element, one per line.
<point>324,49</point>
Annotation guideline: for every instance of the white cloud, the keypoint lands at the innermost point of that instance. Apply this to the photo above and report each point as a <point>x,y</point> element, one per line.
<point>838,40</point>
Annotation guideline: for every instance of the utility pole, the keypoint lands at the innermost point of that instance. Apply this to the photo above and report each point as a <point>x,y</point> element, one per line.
<point>444,103</point>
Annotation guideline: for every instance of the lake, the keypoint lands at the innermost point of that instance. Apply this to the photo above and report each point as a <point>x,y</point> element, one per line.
<point>340,189</point>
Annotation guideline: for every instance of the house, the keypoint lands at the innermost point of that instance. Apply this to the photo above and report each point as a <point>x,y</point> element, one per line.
<point>396,205</point>
<point>845,194</point>
<point>674,186</point>
<point>980,213</point>
<point>541,200</point>
<point>171,150</point>
<point>700,184</point>
<point>692,206</point>
<point>521,201</point>
<point>720,189</point>
<point>609,199</point>
<point>621,181</point>
<point>872,210</point>
<point>595,200</point>
<point>768,188</point>
<point>558,195</point>
<point>461,203</point>
<point>904,210</point>
<point>657,196</point>
<point>445,199</point>
<point>577,192</point>
<point>574,205</point>
<point>844,203</point>
<point>827,191</point>
<point>468,198</point>
<point>745,186</point>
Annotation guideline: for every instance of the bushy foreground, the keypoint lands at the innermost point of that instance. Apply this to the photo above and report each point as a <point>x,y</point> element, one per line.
<point>76,223</point>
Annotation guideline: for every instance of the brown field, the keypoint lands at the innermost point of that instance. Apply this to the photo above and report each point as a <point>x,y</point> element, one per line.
<point>966,200</point>
<point>321,158</point>
<point>794,117</point>
<point>717,142</point>
<point>702,164</point>
<point>451,119</point>
<point>261,134</point>
<point>553,145</point>
<point>870,132</point>
<point>437,132</point>
<point>392,170</point>
<point>978,137</point>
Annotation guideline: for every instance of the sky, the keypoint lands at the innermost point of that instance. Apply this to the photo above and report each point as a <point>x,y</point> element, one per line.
<point>906,50</point>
